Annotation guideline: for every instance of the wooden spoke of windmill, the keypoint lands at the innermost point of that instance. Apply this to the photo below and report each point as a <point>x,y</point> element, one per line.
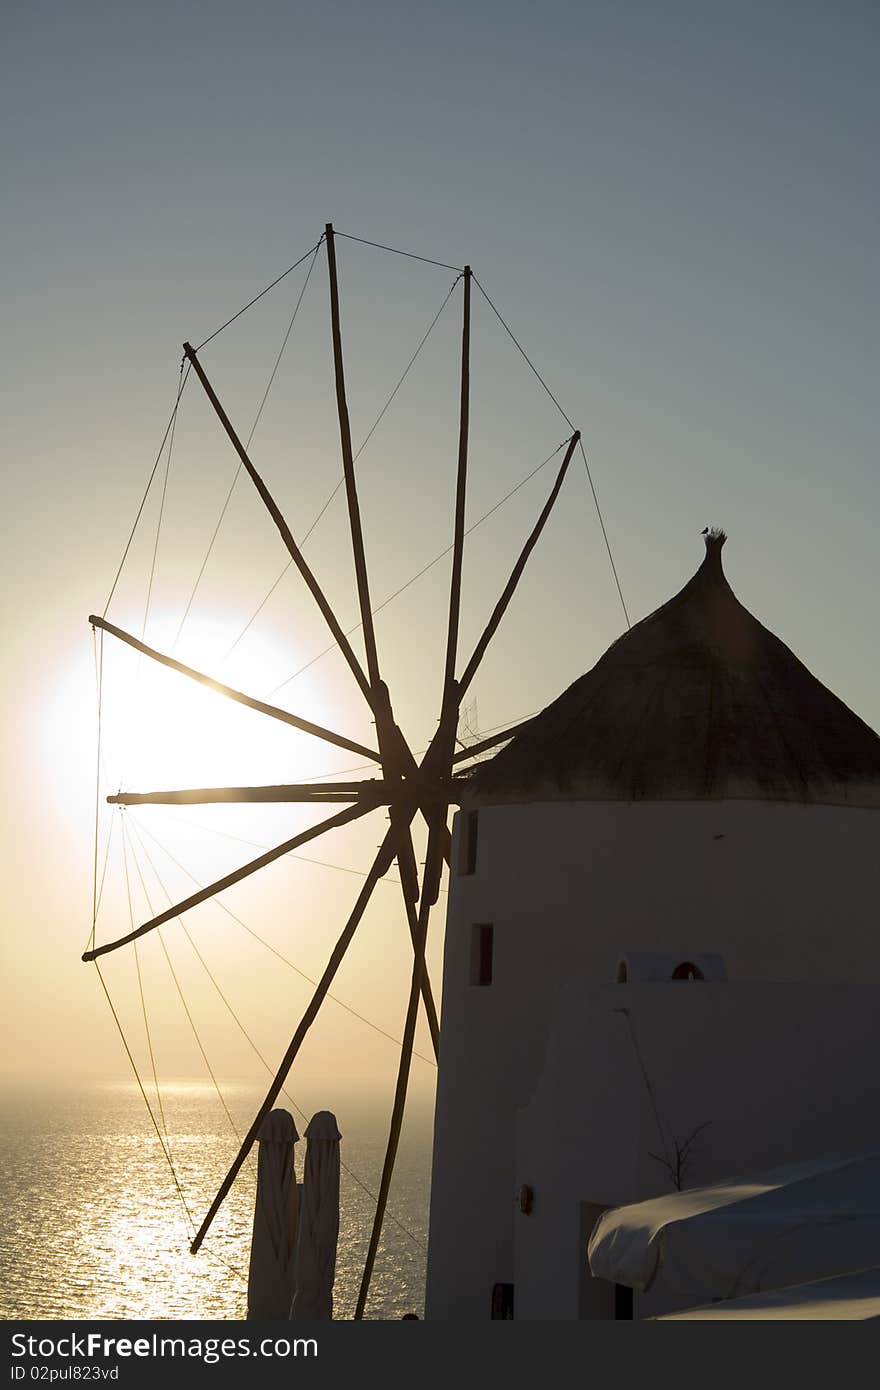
<point>407,787</point>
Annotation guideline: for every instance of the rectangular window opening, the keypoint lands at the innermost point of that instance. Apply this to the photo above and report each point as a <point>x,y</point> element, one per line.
<point>502,1301</point>
<point>482,934</point>
<point>623,1301</point>
<point>467,857</point>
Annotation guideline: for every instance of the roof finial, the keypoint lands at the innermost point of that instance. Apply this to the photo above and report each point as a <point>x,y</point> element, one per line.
<point>714,537</point>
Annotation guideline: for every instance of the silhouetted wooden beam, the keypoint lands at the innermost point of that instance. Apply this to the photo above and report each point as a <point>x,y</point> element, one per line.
<point>492,742</point>
<point>389,736</point>
<point>381,864</point>
<point>433,858</point>
<point>446,846</point>
<point>460,498</point>
<point>406,861</point>
<point>425,985</point>
<point>501,606</point>
<point>284,530</point>
<point>430,816</point>
<point>341,818</point>
<point>307,727</point>
<point>370,791</point>
<point>437,761</point>
<point>354,511</point>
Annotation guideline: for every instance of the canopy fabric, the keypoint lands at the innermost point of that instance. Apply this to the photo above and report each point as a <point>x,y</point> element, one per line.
<point>786,1226</point>
<point>849,1298</point>
<point>315,1264</point>
<point>270,1278</point>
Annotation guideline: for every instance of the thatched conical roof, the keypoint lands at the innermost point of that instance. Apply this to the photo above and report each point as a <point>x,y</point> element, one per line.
<point>697,701</point>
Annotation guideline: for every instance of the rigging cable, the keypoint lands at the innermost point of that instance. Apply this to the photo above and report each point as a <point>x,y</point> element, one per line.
<point>97,896</point>
<point>166,1148</point>
<point>251,302</point>
<point>411,255</point>
<point>106,858</point>
<point>285,1092</point>
<point>247,446</point>
<point>604,533</point>
<point>380,417</point>
<point>257,844</point>
<point>510,722</point>
<point>214,982</point>
<point>99,677</point>
<point>263,942</point>
<point>220,1095</point>
<point>135,675</point>
<point>189,1223</point>
<point>391,880</point>
<point>425,568</point>
<point>137,1077</point>
<point>183,378</point>
<point>521,350</point>
<point>186,1008</point>
<point>159,523</point>
<point>137,963</point>
<point>360,450</point>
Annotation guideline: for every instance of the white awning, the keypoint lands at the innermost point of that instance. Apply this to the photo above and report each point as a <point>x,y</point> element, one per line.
<point>787,1226</point>
<point>848,1298</point>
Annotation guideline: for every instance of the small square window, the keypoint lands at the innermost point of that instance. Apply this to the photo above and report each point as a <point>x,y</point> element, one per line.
<point>482,944</point>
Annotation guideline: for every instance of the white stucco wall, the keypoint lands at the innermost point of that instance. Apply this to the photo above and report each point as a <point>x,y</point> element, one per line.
<point>782,891</point>
<point>774,1072</point>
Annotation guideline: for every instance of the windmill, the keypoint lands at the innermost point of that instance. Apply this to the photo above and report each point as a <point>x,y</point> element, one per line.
<point>406,786</point>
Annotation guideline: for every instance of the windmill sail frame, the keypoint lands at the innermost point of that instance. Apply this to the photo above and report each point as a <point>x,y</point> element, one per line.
<point>407,787</point>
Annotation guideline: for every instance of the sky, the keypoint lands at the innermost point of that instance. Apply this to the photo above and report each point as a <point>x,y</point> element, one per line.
<point>674,208</point>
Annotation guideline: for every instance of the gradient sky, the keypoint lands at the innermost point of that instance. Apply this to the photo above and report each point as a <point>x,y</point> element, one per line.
<point>675,207</point>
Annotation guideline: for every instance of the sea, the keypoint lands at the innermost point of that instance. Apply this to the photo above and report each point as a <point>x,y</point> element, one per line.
<point>94,1223</point>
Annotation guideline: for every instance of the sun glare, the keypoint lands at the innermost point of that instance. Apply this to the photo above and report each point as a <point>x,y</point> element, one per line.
<point>161,730</point>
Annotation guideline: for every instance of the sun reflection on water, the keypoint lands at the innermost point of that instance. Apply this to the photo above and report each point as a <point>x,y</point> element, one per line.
<point>93,1226</point>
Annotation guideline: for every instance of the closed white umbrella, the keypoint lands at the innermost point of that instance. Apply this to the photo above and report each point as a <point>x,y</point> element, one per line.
<point>787,1226</point>
<point>315,1264</point>
<point>270,1279</point>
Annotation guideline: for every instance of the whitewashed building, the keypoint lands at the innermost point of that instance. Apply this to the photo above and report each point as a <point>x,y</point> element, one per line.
<point>698,808</point>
